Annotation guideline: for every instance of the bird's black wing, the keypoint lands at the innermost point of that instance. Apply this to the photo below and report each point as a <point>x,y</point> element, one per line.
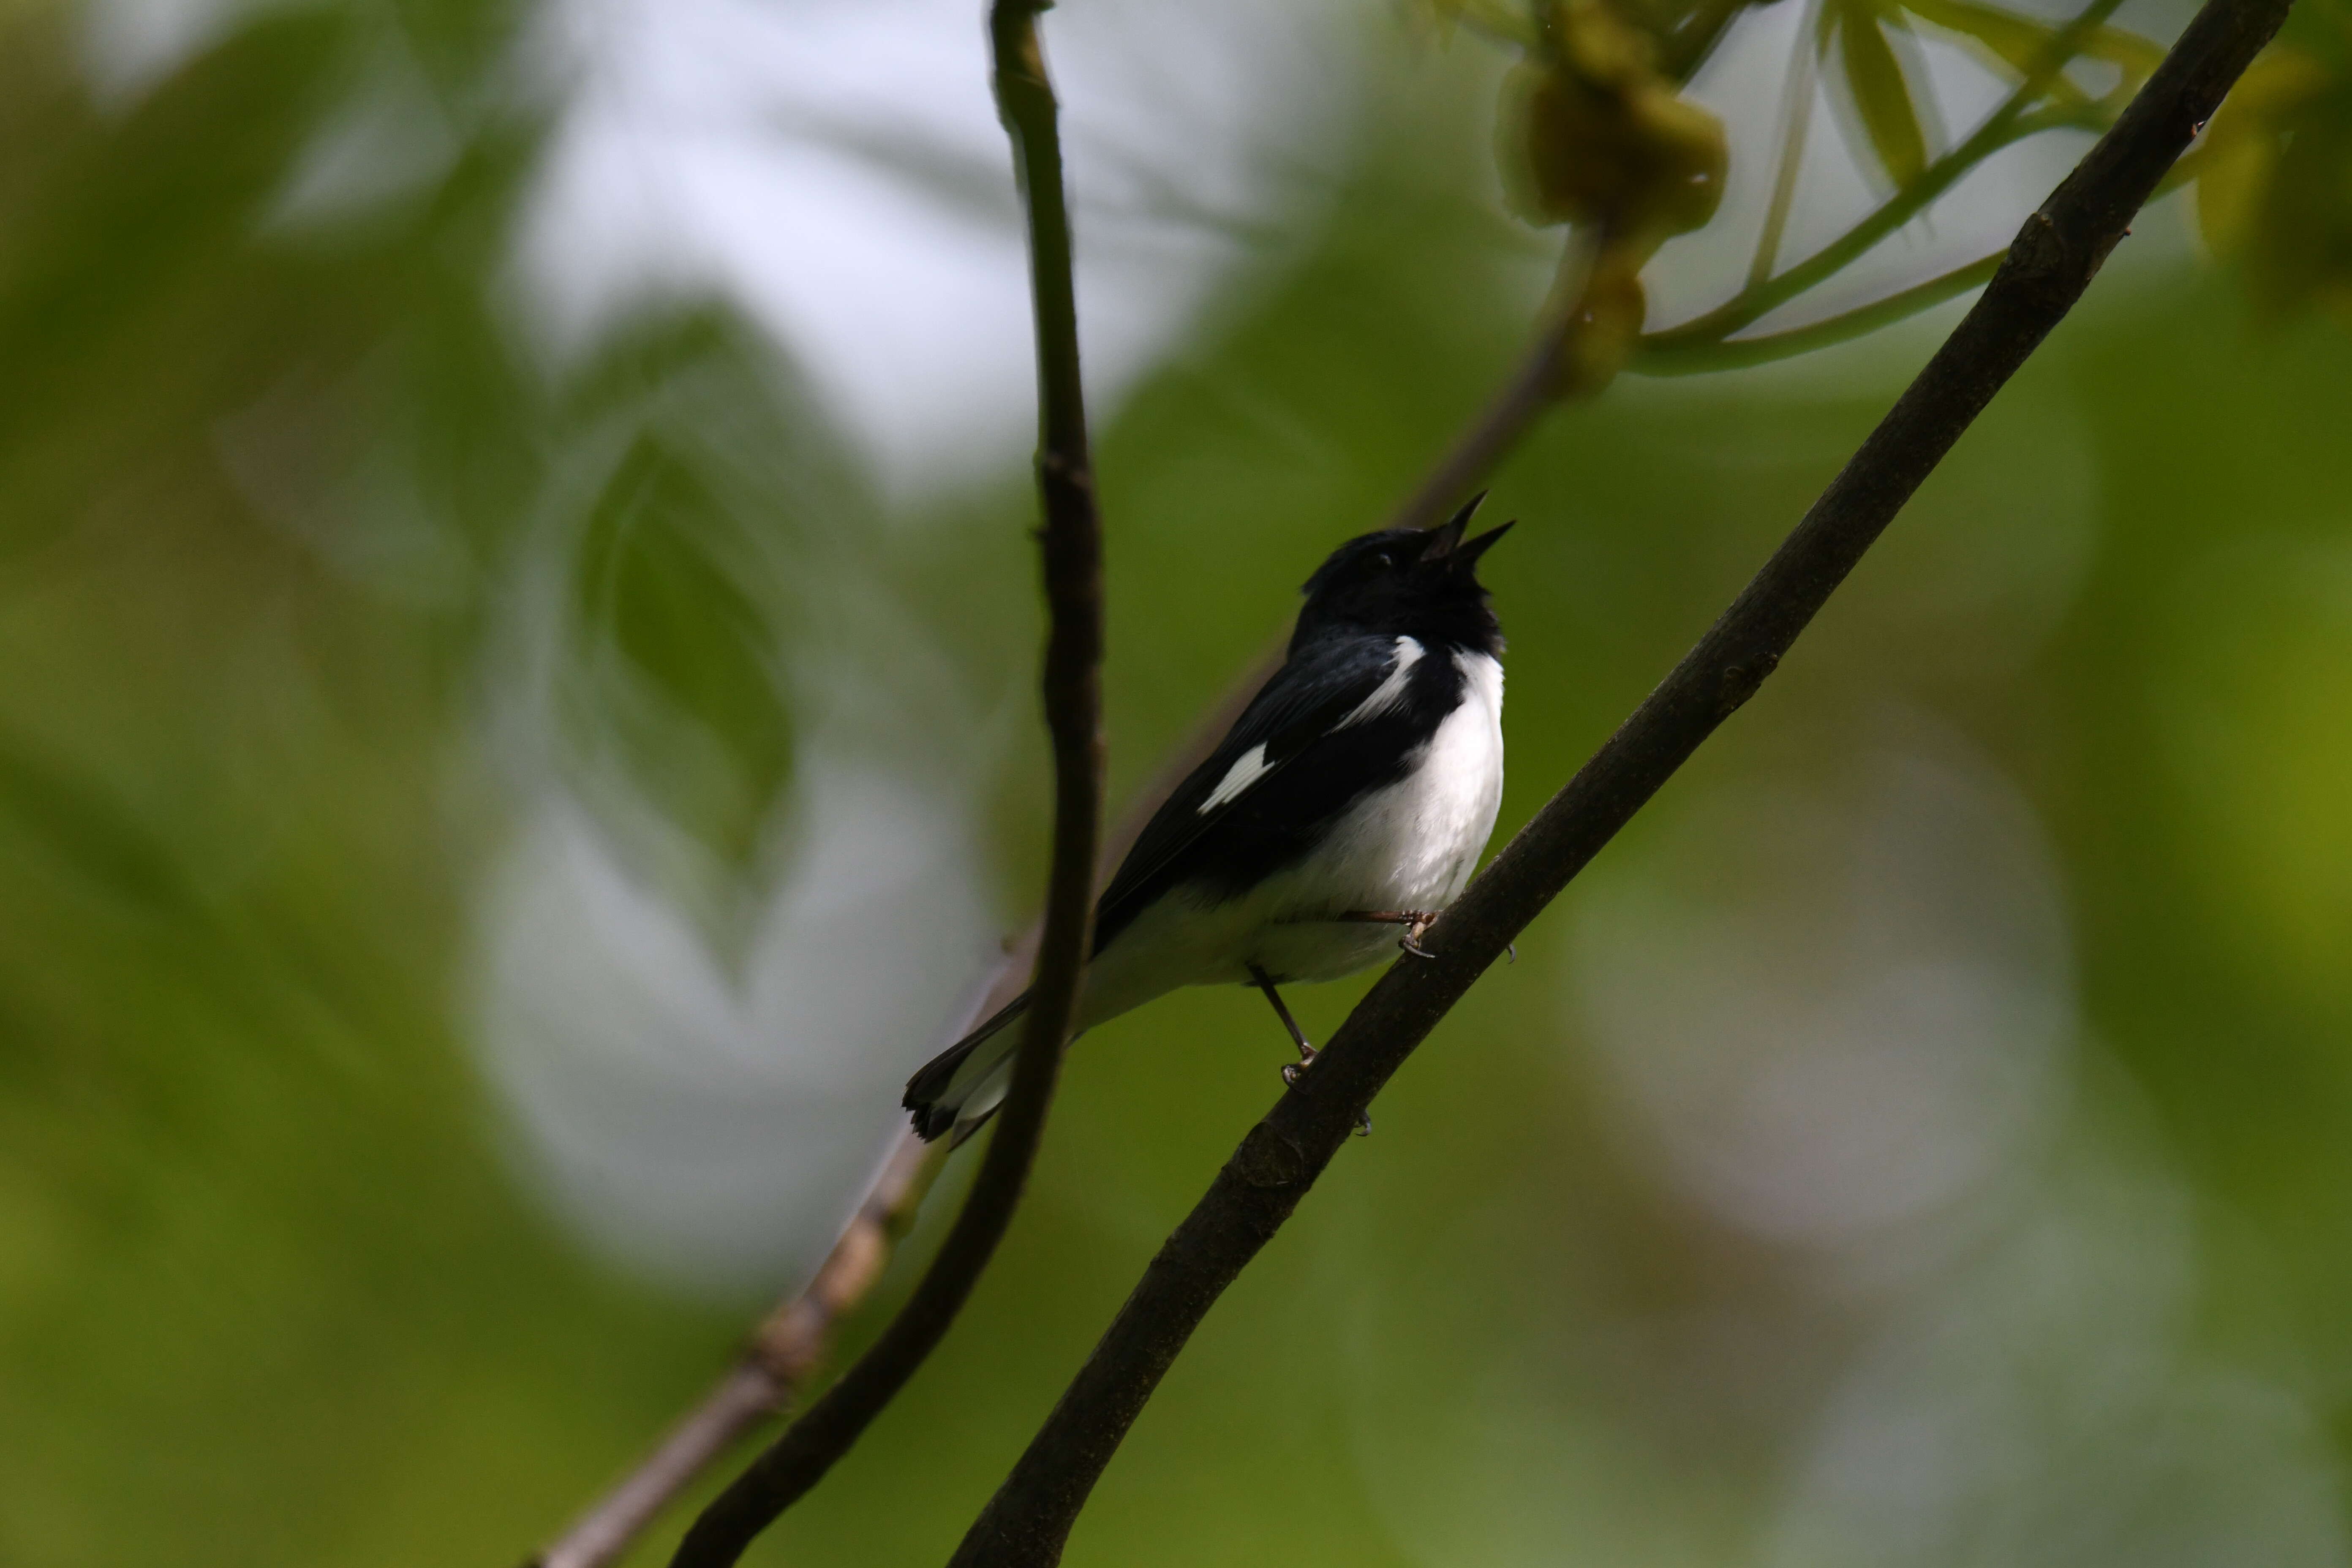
<point>1227,829</point>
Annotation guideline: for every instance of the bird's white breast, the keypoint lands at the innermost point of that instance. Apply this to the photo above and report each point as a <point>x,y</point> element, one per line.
<point>1414,843</point>
<point>1409,846</point>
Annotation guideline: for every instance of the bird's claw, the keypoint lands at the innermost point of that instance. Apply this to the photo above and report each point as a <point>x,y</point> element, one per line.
<point>1417,921</point>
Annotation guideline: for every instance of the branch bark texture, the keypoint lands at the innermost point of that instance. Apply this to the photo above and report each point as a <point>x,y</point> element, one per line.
<point>2051,262</point>
<point>1072,548</point>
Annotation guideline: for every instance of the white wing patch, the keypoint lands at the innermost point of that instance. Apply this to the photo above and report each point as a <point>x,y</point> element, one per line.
<point>1247,769</point>
<point>1252,765</point>
<point>1389,693</point>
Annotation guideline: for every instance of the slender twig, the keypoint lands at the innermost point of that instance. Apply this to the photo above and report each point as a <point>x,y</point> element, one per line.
<point>2057,117</point>
<point>1998,130</point>
<point>778,1357</point>
<point>1072,548</point>
<point>1696,358</point>
<point>1534,387</point>
<point>2049,264</point>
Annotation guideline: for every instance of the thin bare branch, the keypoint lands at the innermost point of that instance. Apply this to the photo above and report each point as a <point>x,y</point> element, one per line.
<point>776,1361</point>
<point>1072,548</point>
<point>1534,387</point>
<point>2054,259</point>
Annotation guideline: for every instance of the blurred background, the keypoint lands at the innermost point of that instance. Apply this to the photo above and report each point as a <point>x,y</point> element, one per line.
<point>518,729</point>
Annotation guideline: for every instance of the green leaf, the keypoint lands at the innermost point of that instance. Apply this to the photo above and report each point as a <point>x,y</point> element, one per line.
<point>2014,41</point>
<point>2301,251</point>
<point>685,657</point>
<point>2251,207</point>
<point>1879,95</point>
<point>2020,42</point>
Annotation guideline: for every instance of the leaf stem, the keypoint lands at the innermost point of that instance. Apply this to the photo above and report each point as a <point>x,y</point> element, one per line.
<point>1796,122</point>
<point>1757,299</point>
<point>1739,353</point>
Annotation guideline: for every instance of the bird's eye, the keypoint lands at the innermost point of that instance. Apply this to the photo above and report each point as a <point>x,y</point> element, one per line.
<point>1382,562</point>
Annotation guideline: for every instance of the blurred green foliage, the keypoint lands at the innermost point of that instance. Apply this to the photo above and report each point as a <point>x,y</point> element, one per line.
<point>274,1285</point>
<point>2275,195</point>
<point>1596,134</point>
<point>676,618</point>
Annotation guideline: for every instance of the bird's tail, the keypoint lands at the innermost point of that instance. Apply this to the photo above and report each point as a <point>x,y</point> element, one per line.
<point>961,1088</point>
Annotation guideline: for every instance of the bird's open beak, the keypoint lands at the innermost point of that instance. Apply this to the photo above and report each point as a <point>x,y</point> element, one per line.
<point>1466,557</point>
<point>1445,539</point>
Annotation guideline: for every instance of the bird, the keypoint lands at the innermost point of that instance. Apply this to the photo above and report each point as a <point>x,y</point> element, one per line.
<point>1352,797</point>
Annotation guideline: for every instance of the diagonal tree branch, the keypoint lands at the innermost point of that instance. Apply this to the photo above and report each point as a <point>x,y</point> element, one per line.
<point>2052,260</point>
<point>1072,547</point>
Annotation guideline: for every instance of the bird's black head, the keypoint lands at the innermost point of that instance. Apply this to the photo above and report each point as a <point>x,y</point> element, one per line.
<point>1406,582</point>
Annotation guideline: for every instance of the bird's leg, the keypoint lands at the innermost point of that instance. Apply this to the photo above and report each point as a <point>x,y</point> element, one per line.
<point>1415,921</point>
<point>1265,981</point>
<point>1292,1071</point>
